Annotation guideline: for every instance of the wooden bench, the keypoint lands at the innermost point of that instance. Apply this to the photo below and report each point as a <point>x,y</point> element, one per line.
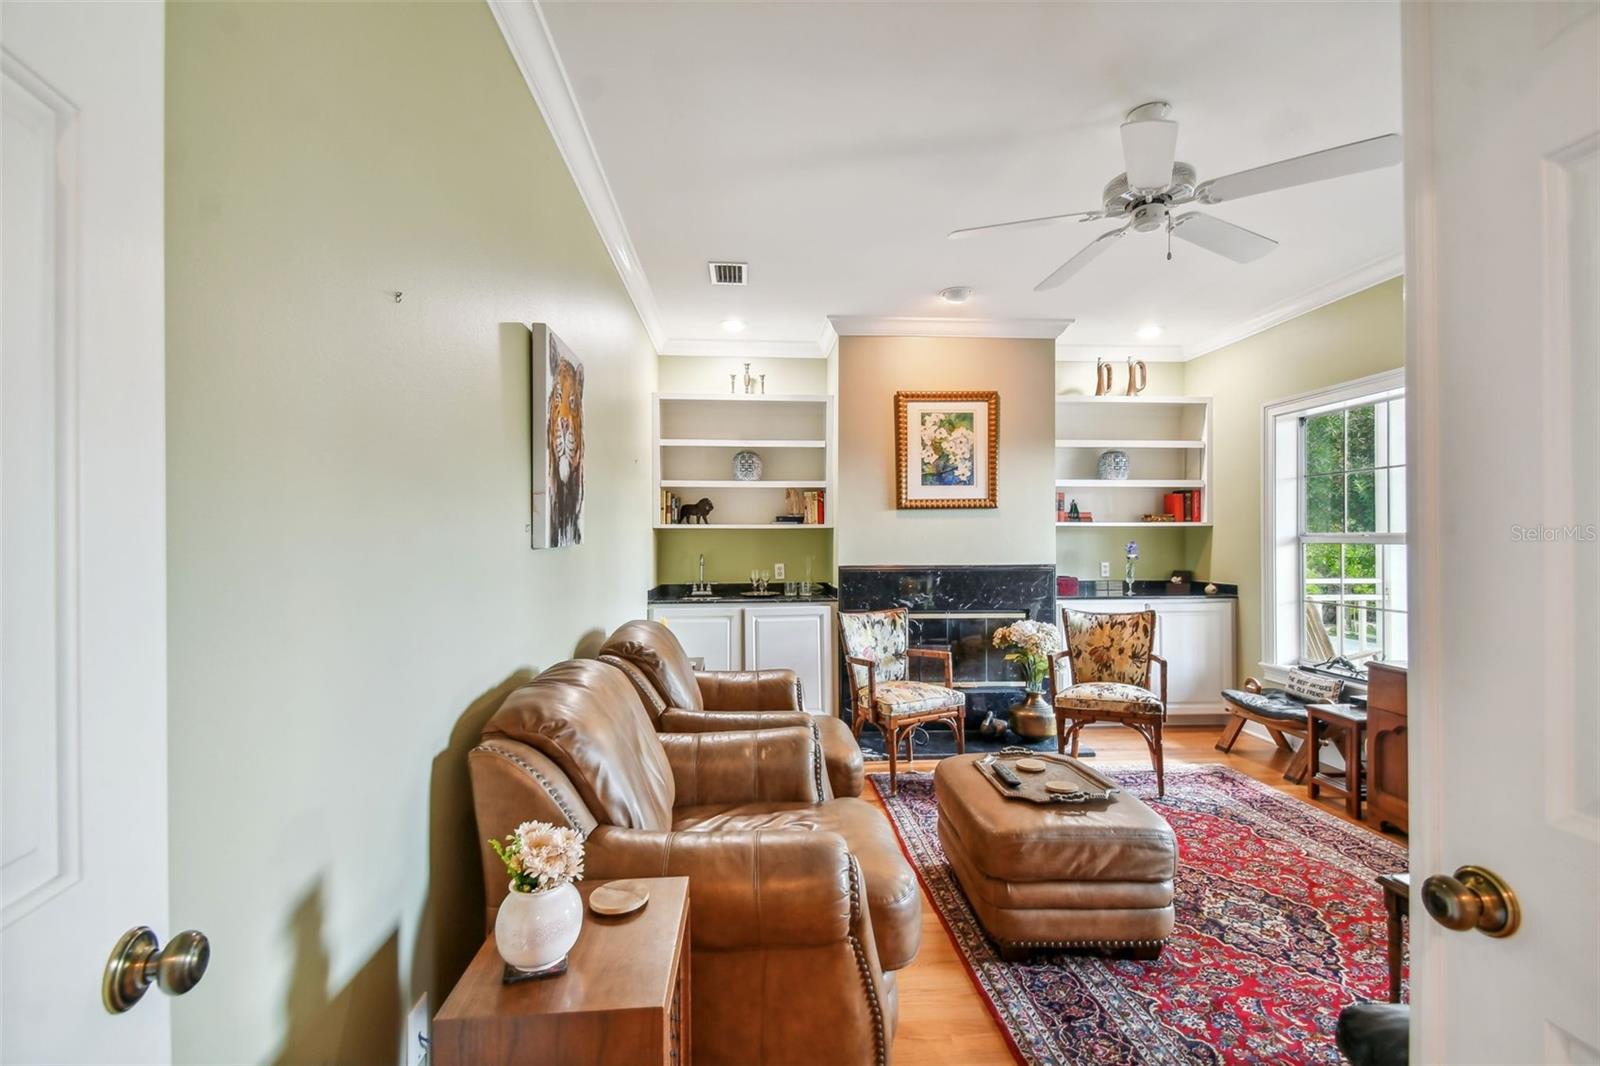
<point>1276,711</point>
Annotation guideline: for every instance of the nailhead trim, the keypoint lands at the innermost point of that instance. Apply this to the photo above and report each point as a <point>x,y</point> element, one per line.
<point>641,683</point>
<point>555,797</point>
<point>1085,943</point>
<point>880,1046</point>
<point>816,757</point>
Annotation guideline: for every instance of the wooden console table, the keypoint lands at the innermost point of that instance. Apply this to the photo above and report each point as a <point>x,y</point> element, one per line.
<point>1387,776</point>
<point>624,999</point>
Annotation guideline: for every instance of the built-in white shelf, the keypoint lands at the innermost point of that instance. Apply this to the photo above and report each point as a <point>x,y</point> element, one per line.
<point>744,484</point>
<point>712,442</point>
<point>1125,444</point>
<point>747,525</point>
<point>1133,525</point>
<point>1168,444</point>
<point>695,435</point>
<point>1156,483</point>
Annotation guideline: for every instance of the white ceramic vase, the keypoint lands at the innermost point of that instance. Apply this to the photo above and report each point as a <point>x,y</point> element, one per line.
<point>535,930</point>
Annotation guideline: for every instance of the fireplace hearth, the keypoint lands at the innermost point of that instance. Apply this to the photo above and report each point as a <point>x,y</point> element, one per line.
<point>957,607</point>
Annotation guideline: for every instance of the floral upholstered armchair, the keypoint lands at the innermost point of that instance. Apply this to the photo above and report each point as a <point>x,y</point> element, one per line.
<point>1110,658</point>
<point>876,648</point>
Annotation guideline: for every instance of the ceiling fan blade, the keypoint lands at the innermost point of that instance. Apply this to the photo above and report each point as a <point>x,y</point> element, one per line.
<point>1224,238</point>
<point>1371,154</point>
<point>1089,253</point>
<point>1021,223</point>
<point>1148,148</point>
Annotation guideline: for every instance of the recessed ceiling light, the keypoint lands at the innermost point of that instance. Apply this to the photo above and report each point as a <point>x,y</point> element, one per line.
<point>956,294</point>
<point>1149,331</point>
<point>733,325</point>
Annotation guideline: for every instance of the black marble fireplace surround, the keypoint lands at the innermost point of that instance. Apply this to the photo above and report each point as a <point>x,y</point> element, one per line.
<point>956,607</point>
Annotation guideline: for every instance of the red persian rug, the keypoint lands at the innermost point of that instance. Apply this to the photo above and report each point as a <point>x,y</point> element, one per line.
<point>1279,925</point>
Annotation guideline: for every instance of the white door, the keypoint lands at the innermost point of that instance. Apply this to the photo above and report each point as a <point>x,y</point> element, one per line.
<point>83,855</point>
<point>714,635</point>
<point>1502,127</point>
<point>794,638</point>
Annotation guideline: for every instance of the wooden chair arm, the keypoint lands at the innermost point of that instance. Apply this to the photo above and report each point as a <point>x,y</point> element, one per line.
<point>1154,658</point>
<point>1252,685</point>
<point>1051,660</point>
<point>936,653</point>
<point>871,666</point>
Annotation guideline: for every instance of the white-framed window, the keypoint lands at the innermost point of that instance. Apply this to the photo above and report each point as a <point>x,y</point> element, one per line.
<point>1334,526</point>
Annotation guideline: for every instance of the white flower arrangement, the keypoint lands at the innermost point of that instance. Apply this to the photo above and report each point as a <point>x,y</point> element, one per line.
<point>540,856</point>
<point>1031,643</point>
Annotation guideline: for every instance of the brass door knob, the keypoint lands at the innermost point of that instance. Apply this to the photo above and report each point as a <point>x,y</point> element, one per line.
<point>1475,898</point>
<point>138,961</point>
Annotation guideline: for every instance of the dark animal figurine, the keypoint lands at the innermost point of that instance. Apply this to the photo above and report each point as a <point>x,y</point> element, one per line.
<point>690,511</point>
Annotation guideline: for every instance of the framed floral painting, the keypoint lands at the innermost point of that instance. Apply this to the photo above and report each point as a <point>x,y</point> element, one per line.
<point>946,446</point>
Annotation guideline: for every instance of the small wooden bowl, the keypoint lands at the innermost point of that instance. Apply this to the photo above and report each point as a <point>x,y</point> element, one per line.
<point>618,897</point>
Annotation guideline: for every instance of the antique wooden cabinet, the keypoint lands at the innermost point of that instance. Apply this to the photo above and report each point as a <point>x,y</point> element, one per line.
<point>1386,747</point>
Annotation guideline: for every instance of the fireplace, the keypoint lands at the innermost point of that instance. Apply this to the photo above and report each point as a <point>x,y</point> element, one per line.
<point>957,607</point>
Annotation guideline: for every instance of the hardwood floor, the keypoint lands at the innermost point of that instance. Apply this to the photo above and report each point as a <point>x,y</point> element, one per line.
<point>943,1020</point>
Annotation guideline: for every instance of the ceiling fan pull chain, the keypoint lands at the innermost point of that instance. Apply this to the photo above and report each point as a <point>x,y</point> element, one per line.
<point>1169,238</point>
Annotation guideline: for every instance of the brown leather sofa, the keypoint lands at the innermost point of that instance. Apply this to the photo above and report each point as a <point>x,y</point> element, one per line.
<point>682,699</point>
<point>801,907</point>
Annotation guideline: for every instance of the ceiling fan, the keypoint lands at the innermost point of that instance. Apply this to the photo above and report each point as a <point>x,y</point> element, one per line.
<point>1155,183</point>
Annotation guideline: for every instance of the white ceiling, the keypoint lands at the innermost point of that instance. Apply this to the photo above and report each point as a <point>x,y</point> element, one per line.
<point>831,146</point>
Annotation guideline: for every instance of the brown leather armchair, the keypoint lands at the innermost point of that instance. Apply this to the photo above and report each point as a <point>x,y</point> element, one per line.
<point>801,907</point>
<point>682,699</point>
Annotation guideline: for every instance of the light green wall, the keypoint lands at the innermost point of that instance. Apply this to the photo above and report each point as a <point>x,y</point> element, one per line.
<point>1360,335</point>
<point>732,553</point>
<point>351,590</point>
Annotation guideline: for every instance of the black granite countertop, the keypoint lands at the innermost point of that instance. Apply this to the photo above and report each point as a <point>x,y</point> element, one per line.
<point>730,592</point>
<point>1107,589</point>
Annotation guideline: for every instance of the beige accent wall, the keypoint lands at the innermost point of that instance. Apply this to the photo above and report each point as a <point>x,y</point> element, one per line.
<point>351,587</point>
<point>871,530</point>
<point>1359,335</point>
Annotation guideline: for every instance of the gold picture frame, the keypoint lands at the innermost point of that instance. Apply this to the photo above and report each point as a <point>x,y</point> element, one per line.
<point>956,459</point>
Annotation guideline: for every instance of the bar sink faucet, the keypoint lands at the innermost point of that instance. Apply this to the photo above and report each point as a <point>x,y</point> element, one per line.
<point>700,587</point>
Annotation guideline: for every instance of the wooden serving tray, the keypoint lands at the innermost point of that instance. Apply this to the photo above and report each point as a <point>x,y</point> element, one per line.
<point>1097,788</point>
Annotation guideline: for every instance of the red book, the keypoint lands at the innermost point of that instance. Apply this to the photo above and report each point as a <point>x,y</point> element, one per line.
<point>821,517</point>
<point>1172,503</point>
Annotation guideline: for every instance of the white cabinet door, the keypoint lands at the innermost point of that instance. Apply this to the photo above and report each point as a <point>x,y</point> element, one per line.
<point>712,634</point>
<point>1196,640</point>
<point>796,637</point>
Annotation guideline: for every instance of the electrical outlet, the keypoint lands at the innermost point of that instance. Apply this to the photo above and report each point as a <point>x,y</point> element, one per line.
<point>1105,569</point>
<point>419,1033</point>
<point>777,571</point>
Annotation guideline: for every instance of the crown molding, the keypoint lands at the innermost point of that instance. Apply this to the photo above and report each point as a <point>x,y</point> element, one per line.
<point>523,26</point>
<point>732,348</point>
<point>1042,329</point>
<point>1116,353</point>
<point>1363,277</point>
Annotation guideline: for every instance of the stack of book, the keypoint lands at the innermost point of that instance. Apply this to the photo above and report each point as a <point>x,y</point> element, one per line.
<point>1183,506</point>
<point>669,508</point>
<point>806,508</point>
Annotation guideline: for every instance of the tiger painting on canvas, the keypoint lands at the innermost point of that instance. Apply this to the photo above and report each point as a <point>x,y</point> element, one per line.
<point>560,409</point>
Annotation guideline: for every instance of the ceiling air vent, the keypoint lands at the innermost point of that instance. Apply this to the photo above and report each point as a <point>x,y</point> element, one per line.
<point>727,273</point>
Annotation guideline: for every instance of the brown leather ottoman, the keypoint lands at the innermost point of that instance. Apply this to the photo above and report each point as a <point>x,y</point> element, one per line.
<point>1042,879</point>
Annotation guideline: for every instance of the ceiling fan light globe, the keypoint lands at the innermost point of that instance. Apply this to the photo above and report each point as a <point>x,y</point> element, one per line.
<point>1149,148</point>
